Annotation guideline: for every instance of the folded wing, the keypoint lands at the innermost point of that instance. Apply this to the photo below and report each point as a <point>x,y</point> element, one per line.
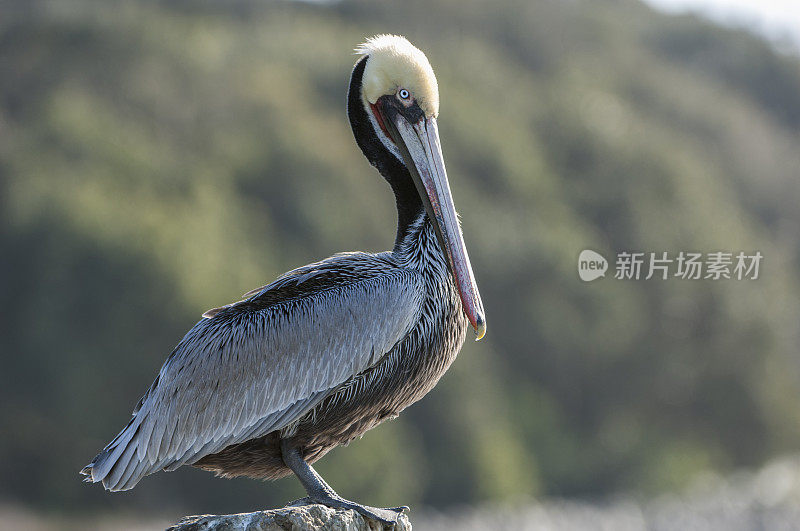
<point>258,365</point>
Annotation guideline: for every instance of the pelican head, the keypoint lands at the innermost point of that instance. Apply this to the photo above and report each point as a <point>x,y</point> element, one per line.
<point>400,95</point>
<point>395,64</point>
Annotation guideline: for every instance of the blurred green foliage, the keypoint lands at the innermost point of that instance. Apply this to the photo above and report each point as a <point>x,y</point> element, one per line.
<point>160,158</point>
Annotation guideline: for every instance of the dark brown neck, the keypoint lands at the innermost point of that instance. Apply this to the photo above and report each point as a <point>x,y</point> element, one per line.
<point>409,205</point>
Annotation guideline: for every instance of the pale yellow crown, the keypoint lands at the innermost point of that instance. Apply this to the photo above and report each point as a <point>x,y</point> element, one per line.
<point>394,63</point>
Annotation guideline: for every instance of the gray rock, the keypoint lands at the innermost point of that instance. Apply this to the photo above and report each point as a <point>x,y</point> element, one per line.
<point>294,518</point>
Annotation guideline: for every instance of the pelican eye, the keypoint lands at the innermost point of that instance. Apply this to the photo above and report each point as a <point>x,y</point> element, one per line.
<point>403,94</point>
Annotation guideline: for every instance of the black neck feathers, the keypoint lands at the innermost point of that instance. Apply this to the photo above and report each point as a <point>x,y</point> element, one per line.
<point>409,205</point>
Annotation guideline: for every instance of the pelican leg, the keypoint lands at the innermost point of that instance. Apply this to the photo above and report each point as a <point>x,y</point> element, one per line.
<point>320,492</point>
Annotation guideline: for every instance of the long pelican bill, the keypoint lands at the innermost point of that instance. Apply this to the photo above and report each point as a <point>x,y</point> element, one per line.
<point>419,144</point>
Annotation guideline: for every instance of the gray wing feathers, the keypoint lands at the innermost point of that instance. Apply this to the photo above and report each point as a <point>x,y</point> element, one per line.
<point>236,378</point>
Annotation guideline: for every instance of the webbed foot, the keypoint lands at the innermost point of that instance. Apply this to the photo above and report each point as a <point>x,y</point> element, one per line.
<point>387,516</point>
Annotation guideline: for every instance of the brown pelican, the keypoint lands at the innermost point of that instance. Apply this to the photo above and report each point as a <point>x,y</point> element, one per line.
<point>268,385</point>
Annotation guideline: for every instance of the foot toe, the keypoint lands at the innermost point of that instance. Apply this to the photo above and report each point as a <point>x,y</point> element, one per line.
<point>385,516</point>
<point>300,502</point>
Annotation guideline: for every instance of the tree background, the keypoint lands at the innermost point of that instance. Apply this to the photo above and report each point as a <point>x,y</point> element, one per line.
<point>160,158</point>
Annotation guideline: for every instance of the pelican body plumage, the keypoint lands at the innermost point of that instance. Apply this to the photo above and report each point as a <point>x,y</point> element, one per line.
<point>268,385</point>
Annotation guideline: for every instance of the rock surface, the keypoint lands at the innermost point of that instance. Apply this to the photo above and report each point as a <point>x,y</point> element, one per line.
<point>292,518</point>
